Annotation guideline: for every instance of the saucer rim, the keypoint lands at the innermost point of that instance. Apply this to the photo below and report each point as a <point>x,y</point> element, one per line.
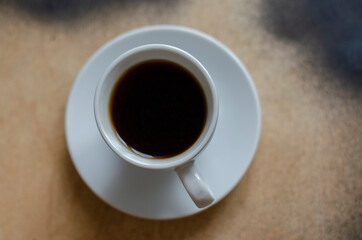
<point>165,27</point>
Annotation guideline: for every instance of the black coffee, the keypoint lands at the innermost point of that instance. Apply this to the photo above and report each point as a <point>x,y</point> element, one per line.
<point>158,109</point>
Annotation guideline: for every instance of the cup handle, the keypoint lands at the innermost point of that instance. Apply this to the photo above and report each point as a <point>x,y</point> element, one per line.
<point>195,185</point>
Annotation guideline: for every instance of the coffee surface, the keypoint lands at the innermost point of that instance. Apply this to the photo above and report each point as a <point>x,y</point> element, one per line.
<point>158,109</point>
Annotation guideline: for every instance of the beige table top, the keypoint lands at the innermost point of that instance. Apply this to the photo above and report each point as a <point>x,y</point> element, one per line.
<point>304,182</point>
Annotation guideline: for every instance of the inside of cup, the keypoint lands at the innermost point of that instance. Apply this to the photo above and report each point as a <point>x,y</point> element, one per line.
<point>113,74</point>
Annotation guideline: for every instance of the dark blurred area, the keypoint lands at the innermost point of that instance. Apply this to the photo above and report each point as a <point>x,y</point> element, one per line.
<point>332,28</point>
<point>62,10</point>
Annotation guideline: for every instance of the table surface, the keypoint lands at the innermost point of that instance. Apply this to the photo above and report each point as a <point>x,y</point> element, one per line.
<point>305,179</point>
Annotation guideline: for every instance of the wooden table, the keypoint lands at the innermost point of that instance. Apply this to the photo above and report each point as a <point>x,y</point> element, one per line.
<point>305,180</point>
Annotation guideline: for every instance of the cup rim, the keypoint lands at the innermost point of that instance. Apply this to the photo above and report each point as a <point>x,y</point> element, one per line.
<point>165,163</point>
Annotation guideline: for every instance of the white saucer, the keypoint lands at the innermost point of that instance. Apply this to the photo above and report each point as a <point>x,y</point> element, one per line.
<point>160,195</point>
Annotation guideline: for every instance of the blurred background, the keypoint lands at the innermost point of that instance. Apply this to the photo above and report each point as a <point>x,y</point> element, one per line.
<point>306,60</point>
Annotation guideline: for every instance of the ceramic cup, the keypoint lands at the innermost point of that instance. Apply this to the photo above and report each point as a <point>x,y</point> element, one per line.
<point>184,163</point>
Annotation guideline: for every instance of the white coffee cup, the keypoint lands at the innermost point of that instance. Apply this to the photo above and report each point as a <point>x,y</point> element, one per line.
<point>184,163</point>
